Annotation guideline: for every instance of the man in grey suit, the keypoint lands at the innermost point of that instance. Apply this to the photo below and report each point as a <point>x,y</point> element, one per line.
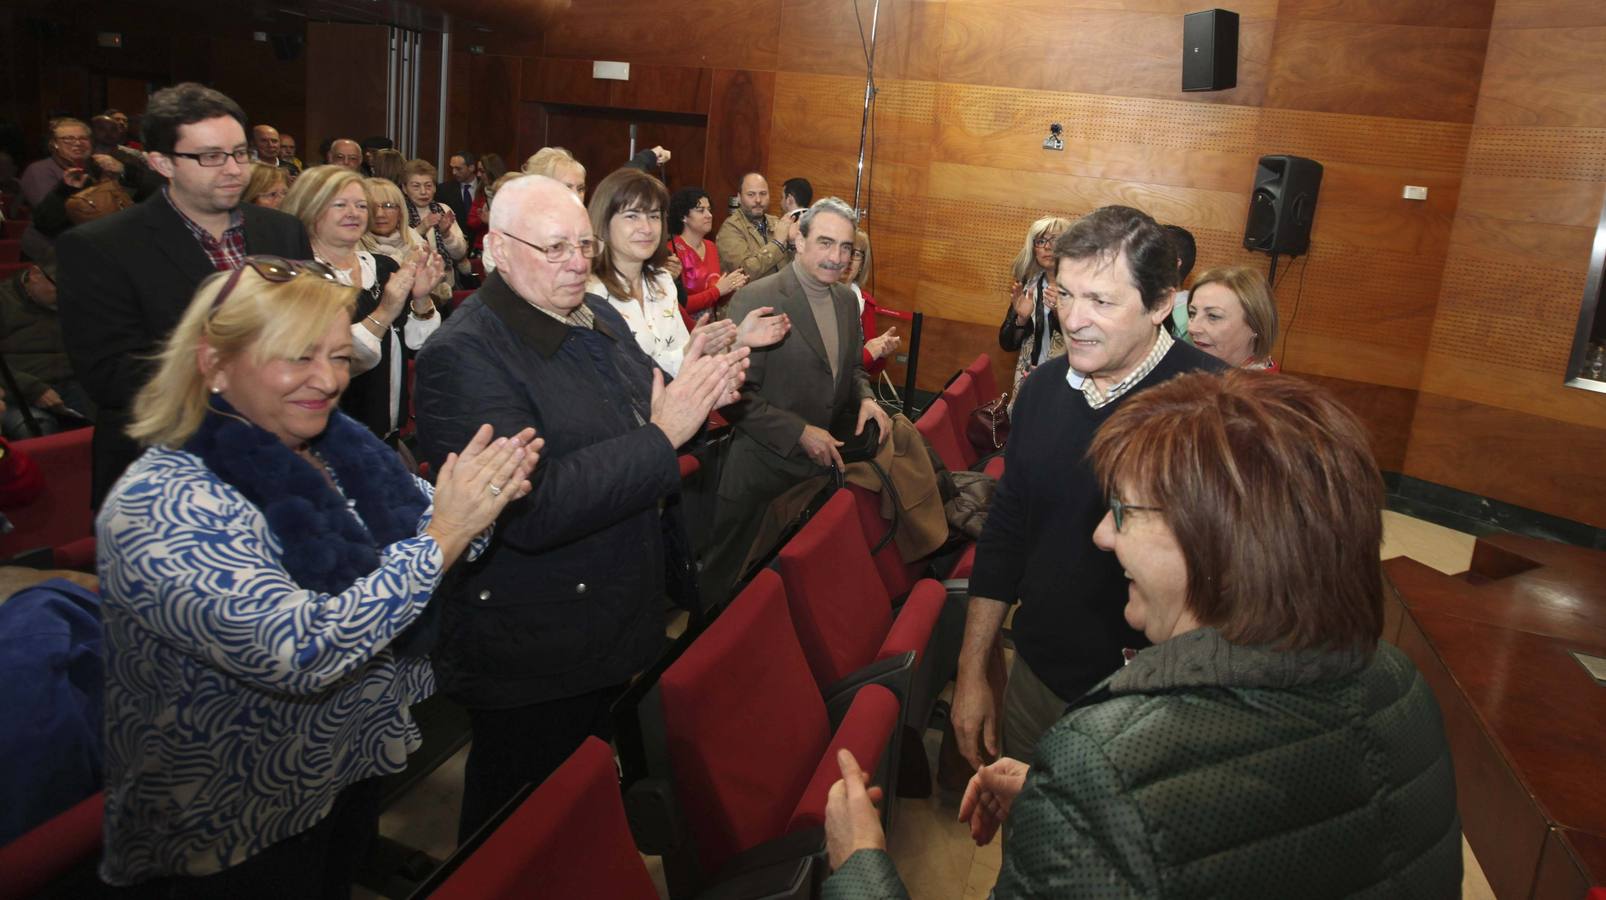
<point>797,391</point>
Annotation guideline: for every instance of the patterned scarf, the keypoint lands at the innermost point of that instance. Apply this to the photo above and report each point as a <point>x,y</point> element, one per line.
<point>414,217</point>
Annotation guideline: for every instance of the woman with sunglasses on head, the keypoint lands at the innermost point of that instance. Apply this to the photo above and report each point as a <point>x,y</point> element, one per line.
<point>627,216</point>
<point>1268,743</point>
<point>394,313</point>
<point>1030,325</point>
<point>691,218</point>
<point>266,568</point>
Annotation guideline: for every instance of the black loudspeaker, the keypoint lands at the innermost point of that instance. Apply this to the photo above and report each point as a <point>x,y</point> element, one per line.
<point>1210,50</point>
<point>1283,204</point>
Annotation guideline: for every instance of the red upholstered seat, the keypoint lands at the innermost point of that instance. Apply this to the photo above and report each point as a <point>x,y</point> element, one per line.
<point>840,606</point>
<point>935,426</point>
<point>32,862</point>
<point>13,229</point>
<point>459,296</point>
<point>10,250</point>
<point>960,395</point>
<point>748,738</point>
<point>986,383</point>
<point>688,465</point>
<point>60,516</point>
<point>8,269</point>
<point>569,838</point>
<point>897,575</point>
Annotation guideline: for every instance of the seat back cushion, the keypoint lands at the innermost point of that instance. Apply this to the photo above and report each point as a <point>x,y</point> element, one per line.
<point>838,601</point>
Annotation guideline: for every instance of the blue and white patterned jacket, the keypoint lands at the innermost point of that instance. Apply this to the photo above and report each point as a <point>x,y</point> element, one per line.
<point>238,705</point>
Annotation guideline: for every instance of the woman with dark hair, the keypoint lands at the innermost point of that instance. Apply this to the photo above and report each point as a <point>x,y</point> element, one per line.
<point>691,218</point>
<point>264,566</point>
<point>390,165</point>
<point>627,216</point>
<point>1266,719</point>
<point>487,170</point>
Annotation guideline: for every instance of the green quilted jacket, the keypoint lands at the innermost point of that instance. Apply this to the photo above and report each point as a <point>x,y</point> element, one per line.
<point>1206,769</point>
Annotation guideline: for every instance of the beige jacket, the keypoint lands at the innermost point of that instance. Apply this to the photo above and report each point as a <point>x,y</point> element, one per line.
<point>741,246</point>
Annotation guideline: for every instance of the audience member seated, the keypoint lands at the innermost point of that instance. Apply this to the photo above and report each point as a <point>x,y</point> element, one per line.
<point>540,638</point>
<point>691,218</point>
<point>1232,316</point>
<point>1115,270</point>
<point>51,685</point>
<point>69,148</point>
<point>1029,325</point>
<point>878,349</point>
<point>390,165</point>
<point>1187,252</point>
<point>344,152</point>
<point>433,220</point>
<point>287,152</point>
<point>753,240</point>
<point>266,565</point>
<point>1267,718</point>
<point>125,279</point>
<point>388,235</point>
<point>265,145</point>
<point>135,174</point>
<point>627,209</point>
<point>799,394</point>
<point>559,164</point>
<point>394,312</point>
<point>267,187</point>
<point>31,344</point>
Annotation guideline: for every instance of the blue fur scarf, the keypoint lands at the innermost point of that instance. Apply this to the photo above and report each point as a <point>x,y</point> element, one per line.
<point>325,548</point>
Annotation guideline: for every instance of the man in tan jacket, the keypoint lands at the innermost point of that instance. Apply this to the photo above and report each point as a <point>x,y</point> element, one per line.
<point>753,240</point>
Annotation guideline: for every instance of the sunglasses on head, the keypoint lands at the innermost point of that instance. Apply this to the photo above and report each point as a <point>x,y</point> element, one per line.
<point>275,269</point>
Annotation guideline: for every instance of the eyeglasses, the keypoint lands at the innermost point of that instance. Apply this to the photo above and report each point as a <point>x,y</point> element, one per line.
<point>1119,511</point>
<point>72,139</point>
<point>389,205</point>
<point>858,255</point>
<point>562,250</point>
<point>275,269</point>
<point>211,159</point>
<point>1045,240</point>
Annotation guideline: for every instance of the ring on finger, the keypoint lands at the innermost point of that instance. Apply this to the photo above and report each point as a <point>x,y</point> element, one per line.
<point>495,491</point>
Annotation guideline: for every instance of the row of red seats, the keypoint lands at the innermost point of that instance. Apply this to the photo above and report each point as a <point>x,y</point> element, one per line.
<point>59,519</point>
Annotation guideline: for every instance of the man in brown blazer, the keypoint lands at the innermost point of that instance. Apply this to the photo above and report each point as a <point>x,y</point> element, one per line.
<point>797,392</point>
<point>751,239</point>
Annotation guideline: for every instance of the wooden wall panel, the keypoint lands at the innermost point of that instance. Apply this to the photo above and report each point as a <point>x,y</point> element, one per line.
<point>1088,47</point>
<point>674,89</point>
<point>740,101</point>
<point>1403,71</point>
<point>1549,13</point>
<point>735,34</point>
<point>823,37</point>
<point>346,66</point>
<point>1434,13</point>
<point>1385,411</point>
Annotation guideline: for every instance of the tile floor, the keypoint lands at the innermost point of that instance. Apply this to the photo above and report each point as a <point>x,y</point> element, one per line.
<point>933,851</point>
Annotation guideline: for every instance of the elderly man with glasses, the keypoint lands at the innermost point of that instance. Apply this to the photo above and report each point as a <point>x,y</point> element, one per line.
<point>125,279</point>
<point>544,632</point>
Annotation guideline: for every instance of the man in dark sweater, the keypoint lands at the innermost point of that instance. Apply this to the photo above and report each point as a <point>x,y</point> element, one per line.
<point>1116,271</point>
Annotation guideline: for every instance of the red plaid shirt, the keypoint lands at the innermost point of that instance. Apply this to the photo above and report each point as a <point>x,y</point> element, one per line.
<point>226,253</point>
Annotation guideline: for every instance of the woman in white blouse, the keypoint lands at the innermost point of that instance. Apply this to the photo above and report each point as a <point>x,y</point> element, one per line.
<point>627,216</point>
<point>395,314</point>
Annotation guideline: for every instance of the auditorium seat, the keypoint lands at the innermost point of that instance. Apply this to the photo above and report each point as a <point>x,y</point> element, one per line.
<point>62,848</point>
<point>458,297</point>
<point>689,466</point>
<point>59,519</point>
<point>960,397</point>
<point>10,250</point>
<point>981,370</point>
<point>898,576</point>
<point>843,613</point>
<point>568,838</point>
<point>8,269</point>
<point>13,229</point>
<point>741,747</point>
<point>936,426</point>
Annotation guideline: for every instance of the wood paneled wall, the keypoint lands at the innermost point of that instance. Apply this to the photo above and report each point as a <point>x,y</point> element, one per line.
<point>1493,417</point>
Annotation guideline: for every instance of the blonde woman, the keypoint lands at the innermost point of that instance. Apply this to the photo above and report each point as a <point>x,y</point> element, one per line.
<point>264,567</point>
<point>1030,326</point>
<point>559,164</point>
<point>388,235</point>
<point>267,187</point>
<point>1231,316</point>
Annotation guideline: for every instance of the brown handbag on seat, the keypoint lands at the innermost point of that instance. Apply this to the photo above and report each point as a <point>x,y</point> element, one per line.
<point>99,199</point>
<point>988,427</point>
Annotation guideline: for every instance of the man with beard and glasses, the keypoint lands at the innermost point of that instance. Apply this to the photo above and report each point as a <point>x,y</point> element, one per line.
<point>125,279</point>
<point>753,240</point>
<point>797,392</point>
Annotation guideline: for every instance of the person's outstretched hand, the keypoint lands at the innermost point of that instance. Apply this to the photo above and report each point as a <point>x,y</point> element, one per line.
<point>989,796</point>
<point>852,822</point>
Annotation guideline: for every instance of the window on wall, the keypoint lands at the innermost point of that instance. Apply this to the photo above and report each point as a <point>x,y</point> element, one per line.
<point>1587,366</point>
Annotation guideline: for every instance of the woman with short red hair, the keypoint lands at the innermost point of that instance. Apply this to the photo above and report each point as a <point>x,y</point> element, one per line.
<point>1268,744</point>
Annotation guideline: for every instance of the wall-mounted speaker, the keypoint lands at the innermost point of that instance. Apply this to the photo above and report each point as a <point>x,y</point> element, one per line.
<point>1283,204</point>
<point>1210,50</point>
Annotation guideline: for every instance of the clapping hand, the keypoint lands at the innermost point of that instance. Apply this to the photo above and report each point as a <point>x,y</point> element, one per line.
<point>718,337</point>
<point>730,281</point>
<point>427,269</point>
<point>885,344</point>
<point>705,381</point>
<point>1020,300</point>
<point>761,328</point>
<point>474,486</point>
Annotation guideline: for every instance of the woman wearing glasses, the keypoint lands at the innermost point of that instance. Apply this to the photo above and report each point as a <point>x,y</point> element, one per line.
<point>691,218</point>
<point>1030,325</point>
<point>267,186</point>
<point>264,568</point>
<point>627,214</point>
<point>1266,720</point>
<point>883,345</point>
<point>388,236</point>
<point>394,314</point>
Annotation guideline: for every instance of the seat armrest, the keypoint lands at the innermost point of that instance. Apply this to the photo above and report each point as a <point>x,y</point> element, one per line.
<point>894,672</point>
<point>787,868</point>
<point>654,818</point>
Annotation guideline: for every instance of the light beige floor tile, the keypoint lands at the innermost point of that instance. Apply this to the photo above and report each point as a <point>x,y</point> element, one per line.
<point>1441,548</point>
<point>1473,885</point>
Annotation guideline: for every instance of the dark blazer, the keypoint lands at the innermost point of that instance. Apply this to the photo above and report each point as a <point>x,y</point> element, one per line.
<point>789,385</point>
<point>124,281</point>
<point>450,192</point>
<point>569,598</point>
